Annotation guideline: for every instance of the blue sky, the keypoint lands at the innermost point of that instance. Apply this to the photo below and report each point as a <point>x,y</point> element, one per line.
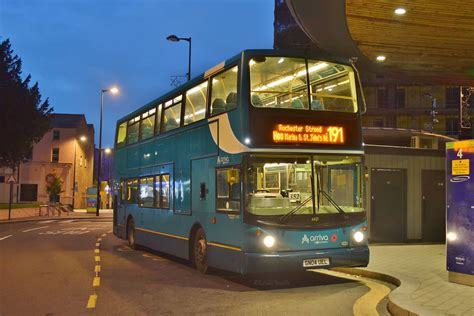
<point>76,48</point>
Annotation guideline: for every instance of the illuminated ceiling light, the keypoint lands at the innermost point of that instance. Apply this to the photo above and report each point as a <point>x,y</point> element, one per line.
<point>82,138</point>
<point>381,58</point>
<point>400,11</point>
<point>252,62</point>
<point>281,60</point>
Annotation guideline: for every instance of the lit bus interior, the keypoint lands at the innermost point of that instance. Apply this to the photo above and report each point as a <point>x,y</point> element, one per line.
<point>278,186</point>
<point>281,82</point>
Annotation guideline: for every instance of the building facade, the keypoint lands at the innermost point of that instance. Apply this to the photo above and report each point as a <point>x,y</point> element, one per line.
<point>66,152</point>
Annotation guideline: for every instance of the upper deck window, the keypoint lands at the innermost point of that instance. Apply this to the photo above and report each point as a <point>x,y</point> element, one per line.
<point>133,130</point>
<point>224,91</point>
<point>195,109</point>
<point>147,126</point>
<point>282,82</point>
<point>172,114</point>
<point>122,134</point>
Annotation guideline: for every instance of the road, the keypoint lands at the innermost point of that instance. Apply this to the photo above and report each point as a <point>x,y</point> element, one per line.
<point>79,267</point>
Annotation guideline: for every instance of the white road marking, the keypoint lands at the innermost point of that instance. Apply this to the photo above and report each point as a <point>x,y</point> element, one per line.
<point>46,222</point>
<point>6,237</point>
<point>28,230</point>
<point>68,221</point>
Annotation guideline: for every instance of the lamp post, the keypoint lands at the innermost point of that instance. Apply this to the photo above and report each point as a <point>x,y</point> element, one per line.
<point>174,38</point>
<point>112,90</point>
<point>82,139</point>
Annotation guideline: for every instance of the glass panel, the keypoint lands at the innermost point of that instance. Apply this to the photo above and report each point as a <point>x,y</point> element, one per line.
<point>332,87</point>
<point>277,82</point>
<point>228,190</point>
<point>224,91</point>
<point>132,133</point>
<point>157,192</point>
<point>55,155</point>
<point>195,108</point>
<point>121,134</point>
<point>147,126</point>
<point>172,117</point>
<point>276,186</point>
<point>132,191</point>
<point>165,191</point>
<point>146,192</point>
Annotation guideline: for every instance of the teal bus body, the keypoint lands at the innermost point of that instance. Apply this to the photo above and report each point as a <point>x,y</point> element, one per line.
<point>225,175</point>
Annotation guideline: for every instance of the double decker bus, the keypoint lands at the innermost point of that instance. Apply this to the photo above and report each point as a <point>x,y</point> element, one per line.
<point>254,166</point>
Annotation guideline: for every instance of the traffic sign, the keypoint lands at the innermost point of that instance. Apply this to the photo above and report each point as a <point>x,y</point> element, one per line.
<point>11,179</point>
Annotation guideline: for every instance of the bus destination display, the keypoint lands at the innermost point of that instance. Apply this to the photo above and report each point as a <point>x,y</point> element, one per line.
<point>314,134</point>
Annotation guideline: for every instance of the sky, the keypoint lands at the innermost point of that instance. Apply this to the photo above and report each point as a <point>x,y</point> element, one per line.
<point>76,48</point>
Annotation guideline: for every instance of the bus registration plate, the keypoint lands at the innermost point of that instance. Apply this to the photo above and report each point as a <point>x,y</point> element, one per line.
<point>307,263</point>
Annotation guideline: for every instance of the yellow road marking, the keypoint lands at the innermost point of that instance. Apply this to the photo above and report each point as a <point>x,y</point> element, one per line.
<point>97,268</point>
<point>92,301</point>
<point>99,239</point>
<point>97,244</point>
<point>96,281</point>
<point>367,303</point>
<point>96,251</point>
<point>97,258</point>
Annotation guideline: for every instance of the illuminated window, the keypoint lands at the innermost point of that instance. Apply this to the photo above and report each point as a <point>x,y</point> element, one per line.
<point>147,126</point>
<point>165,191</point>
<point>195,108</point>
<point>228,190</point>
<point>224,91</point>
<point>133,130</point>
<point>146,192</point>
<point>121,134</point>
<point>172,114</point>
<point>132,191</point>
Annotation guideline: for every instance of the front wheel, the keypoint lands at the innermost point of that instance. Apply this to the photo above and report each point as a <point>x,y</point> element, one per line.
<point>131,234</point>
<point>200,251</point>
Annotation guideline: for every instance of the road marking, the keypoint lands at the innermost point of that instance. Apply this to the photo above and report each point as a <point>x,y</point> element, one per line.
<point>96,251</point>
<point>97,258</point>
<point>96,282</point>
<point>6,237</point>
<point>28,230</point>
<point>97,268</point>
<point>92,301</point>
<point>97,244</point>
<point>46,222</point>
<point>99,239</point>
<point>103,235</point>
<point>367,303</point>
<point>68,221</point>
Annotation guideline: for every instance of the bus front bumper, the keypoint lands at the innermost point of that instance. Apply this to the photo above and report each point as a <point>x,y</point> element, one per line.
<point>293,260</point>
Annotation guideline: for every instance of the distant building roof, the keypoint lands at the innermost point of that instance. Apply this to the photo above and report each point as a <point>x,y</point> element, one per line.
<point>59,120</point>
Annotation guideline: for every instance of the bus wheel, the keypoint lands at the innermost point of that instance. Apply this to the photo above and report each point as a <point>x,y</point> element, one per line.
<point>200,251</point>
<point>131,234</point>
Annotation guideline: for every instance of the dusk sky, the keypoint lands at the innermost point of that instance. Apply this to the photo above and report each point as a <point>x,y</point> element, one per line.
<point>76,48</point>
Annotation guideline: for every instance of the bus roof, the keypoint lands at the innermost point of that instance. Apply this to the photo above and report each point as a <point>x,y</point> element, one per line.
<point>201,76</point>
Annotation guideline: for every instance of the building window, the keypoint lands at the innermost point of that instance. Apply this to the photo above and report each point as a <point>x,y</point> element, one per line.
<point>452,97</point>
<point>452,126</point>
<point>400,97</point>
<point>55,155</point>
<point>56,134</point>
<point>382,97</point>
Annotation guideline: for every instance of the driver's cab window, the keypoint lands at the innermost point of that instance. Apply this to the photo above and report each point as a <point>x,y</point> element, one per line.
<point>228,190</point>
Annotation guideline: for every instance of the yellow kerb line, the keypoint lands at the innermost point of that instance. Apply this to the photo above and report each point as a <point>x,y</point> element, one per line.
<point>92,301</point>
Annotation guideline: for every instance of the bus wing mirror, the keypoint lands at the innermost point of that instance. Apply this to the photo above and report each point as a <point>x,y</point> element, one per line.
<point>363,107</point>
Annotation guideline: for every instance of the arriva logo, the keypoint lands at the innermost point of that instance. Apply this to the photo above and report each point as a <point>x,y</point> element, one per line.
<point>317,239</point>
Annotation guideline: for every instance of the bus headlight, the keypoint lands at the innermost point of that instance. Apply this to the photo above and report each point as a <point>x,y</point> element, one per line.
<point>358,236</point>
<point>269,241</point>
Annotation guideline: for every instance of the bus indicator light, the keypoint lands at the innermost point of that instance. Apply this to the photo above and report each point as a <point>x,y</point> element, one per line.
<point>313,134</point>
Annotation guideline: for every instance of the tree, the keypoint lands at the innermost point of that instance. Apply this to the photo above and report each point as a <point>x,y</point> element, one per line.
<point>24,119</point>
<point>54,187</point>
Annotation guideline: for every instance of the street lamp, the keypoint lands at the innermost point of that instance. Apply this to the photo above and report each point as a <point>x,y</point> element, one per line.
<point>174,38</point>
<point>113,90</point>
<point>82,139</point>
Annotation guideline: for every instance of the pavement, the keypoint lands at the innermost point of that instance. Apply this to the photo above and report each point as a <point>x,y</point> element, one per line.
<point>418,271</point>
<point>31,214</point>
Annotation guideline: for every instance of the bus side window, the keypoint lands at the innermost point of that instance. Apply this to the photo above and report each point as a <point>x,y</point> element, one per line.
<point>224,91</point>
<point>132,191</point>
<point>228,190</point>
<point>122,134</point>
